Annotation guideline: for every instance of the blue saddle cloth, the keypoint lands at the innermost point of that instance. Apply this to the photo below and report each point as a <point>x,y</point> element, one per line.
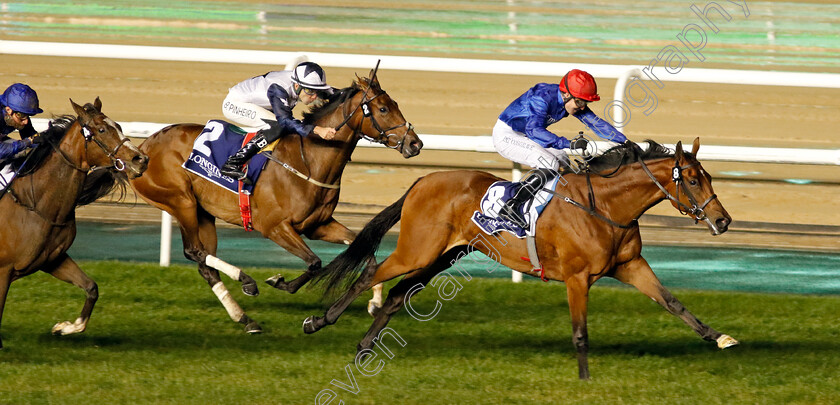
<point>218,141</point>
<point>489,220</point>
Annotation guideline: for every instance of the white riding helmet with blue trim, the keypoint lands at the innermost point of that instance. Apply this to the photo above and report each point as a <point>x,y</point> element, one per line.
<point>310,75</point>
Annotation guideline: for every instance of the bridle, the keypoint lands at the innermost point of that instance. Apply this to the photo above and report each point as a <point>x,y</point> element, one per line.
<point>696,211</point>
<point>384,138</point>
<point>116,163</point>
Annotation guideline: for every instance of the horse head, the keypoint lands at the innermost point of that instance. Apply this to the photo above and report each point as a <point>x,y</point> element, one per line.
<point>694,193</point>
<point>383,121</point>
<point>111,149</point>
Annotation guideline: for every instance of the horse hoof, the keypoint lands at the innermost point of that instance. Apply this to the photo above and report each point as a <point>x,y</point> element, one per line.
<point>373,309</point>
<point>275,281</point>
<point>251,289</point>
<point>309,325</point>
<point>725,341</point>
<point>253,328</point>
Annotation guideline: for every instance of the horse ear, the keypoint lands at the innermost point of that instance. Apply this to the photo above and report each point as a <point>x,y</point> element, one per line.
<point>679,151</point>
<point>374,82</point>
<point>98,104</point>
<point>696,146</point>
<point>80,111</point>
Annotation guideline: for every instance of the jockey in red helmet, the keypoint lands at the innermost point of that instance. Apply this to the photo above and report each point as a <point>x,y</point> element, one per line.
<point>272,96</point>
<point>520,133</point>
<point>18,103</point>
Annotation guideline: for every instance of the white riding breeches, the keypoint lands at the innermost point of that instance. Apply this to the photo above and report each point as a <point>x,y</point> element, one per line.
<point>517,147</point>
<point>247,115</point>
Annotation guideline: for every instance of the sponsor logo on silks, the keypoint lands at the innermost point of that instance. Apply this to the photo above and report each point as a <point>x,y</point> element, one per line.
<point>209,168</point>
<point>262,142</point>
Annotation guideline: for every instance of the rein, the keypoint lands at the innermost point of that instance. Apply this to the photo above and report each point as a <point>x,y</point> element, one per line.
<point>298,173</point>
<point>384,138</point>
<point>695,210</point>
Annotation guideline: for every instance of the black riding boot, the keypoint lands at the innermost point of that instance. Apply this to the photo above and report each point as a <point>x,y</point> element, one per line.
<point>528,188</point>
<point>233,166</point>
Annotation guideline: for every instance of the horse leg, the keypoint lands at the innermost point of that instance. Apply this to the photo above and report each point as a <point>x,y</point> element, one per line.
<point>638,273</point>
<point>375,303</point>
<point>68,271</point>
<point>193,250</point>
<point>577,288</point>
<point>313,324</point>
<point>209,240</point>
<point>5,282</point>
<point>286,237</point>
<point>395,301</point>
<point>335,232</point>
<point>392,267</point>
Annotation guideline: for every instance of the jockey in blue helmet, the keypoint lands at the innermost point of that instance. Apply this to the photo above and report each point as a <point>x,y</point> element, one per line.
<point>18,103</point>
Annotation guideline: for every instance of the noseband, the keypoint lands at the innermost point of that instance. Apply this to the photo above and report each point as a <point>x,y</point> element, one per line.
<point>384,138</point>
<point>116,162</point>
<point>695,210</point>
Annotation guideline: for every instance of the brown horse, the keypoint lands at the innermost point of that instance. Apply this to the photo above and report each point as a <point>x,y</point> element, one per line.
<point>576,244</point>
<point>81,160</point>
<point>285,202</point>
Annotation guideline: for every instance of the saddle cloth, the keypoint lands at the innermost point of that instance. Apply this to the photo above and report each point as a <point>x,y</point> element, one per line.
<point>489,220</point>
<point>218,141</point>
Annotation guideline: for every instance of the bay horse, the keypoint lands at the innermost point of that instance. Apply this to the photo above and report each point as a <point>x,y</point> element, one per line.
<point>285,203</point>
<point>80,159</point>
<point>577,243</point>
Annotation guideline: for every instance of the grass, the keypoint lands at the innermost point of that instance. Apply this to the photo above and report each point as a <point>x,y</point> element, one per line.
<point>159,336</point>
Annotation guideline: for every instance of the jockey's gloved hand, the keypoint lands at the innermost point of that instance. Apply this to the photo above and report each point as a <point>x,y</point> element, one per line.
<point>36,139</point>
<point>579,143</point>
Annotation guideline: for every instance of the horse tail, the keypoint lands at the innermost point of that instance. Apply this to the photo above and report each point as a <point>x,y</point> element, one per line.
<point>101,182</point>
<point>363,249</point>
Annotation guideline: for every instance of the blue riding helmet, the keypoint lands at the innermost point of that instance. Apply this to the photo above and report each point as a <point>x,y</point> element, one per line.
<point>20,97</point>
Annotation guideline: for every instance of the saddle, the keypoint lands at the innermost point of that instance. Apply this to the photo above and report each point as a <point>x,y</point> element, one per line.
<point>218,141</point>
<point>490,221</point>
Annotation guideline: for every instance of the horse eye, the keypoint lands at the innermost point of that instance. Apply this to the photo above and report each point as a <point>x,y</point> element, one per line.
<point>101,130</point>
<point>383,110</point>
<point>693,182</point>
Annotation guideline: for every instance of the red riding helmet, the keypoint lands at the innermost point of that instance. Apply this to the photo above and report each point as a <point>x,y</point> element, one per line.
<point>580,84</point>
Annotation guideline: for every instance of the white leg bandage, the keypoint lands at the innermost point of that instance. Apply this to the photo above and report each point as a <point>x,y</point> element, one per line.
<point>233,309</point>
<point>232,271</point>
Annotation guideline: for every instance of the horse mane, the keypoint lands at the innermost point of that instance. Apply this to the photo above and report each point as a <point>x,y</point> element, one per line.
<point>333,101</point>
<point>53,136</point>
<point>101,182</point>
<point>624,154</point>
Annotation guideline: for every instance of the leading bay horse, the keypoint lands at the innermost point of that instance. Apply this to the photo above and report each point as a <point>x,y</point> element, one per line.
<point>284,204</point>
<point>576,244</point>
<point>79,160</point>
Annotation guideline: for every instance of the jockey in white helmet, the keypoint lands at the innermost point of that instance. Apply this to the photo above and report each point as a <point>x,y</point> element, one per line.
<point>272,96</point>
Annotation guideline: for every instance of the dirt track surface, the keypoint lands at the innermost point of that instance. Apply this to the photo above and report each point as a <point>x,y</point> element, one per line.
<point>462,104</point>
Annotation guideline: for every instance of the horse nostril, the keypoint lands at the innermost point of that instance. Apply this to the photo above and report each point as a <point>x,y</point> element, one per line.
<point>722,223</point>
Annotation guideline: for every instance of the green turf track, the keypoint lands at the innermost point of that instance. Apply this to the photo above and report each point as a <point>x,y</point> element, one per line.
<point>160,337</point>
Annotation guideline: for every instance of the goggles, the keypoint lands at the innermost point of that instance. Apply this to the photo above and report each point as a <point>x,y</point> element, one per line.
<point>19,115</point>
<point>580,103</point>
